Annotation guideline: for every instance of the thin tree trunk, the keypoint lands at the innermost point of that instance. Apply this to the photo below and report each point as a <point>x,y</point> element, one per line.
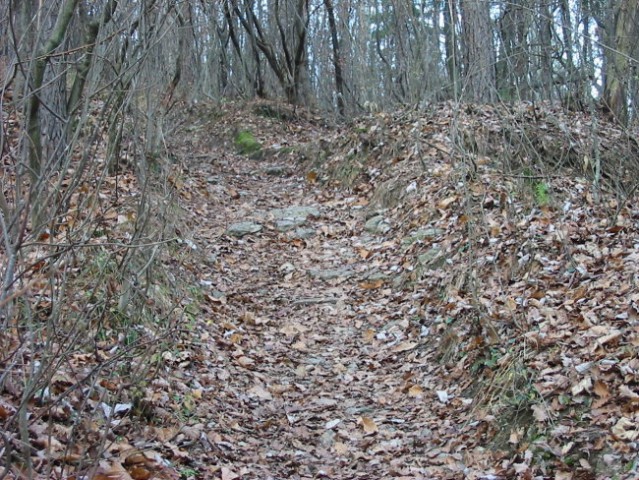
<point>618,52</point>
<point>337,60</point>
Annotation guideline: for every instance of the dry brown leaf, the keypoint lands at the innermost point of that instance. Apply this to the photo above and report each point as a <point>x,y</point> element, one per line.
<point>340,448</point>
<point>368,424</point>
<point>260,392</point>
<point>4,412</point>
<point>540,413</point>
<point>300,346</point>
<point>311,177</point>
<point>140,473</point>
<point>515,437</point>
<point>372,284</point>
<point>405,346</point>
<point>117,472</point>
<point>228,474</point>
<point>583,386</point>
<point>245,362</point>
<point>369,335</point>
<point>416,391</point>
<point>447,201</point>
<point>625,429</point>
<point>137,458</point>
<point>233,193</point>
<point>626,392</point>
<point>601,389</point>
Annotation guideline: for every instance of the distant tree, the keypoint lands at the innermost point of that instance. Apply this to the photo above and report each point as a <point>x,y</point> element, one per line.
<point>620,51</point>
<point>478,51</point>
<point>282,40</point>
<point>337,57</point>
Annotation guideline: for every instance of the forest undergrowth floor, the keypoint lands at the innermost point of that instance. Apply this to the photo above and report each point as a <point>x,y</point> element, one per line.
<point>311,367</point>
<point>423,321</point>
<point>408,296</point>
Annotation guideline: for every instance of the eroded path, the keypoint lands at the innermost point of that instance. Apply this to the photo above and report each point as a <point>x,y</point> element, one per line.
<point>313,365</point>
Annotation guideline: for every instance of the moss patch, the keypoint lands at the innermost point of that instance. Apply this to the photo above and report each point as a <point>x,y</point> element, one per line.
<point>246,143</point>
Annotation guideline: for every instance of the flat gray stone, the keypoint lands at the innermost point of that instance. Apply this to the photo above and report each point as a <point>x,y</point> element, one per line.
<point>276,170</point>
<point>286,224</point>
<point>331,274</point>
<point>422,234</point>
<point>302,233</point>
<point>377,224</point>
<point>243,228</point>
<point>295,212</point>
<point>287,219</point>
<point>376,275</point>
<point>432,259</point>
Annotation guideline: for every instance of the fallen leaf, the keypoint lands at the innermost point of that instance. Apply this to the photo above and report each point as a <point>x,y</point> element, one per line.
<point>368,425</point>
<point>311,177</point>
<point>447,201</point>
<point>332,424</point>
<point>583,386</point>
<point>625,429</point>
<point>405,346</point>
<point>415,391</point>
<point>340,448</point>
<point>228,474</point>
<point>601,389</point>
<point>443,397</point>
<point>261,392</point>
<point>245,362</point>
<point>140,473</point>
<point>372,284</point>
<point>369,335</point>
<point>540,413</point>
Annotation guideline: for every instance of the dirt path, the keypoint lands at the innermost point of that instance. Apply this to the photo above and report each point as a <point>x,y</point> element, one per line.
<point>311,376</point>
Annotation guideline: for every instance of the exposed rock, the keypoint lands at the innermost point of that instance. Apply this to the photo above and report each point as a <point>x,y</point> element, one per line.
<point>292,217</point>
<point>331,274</point>
<point>432,259</point>
<point>377,224</point>
<point>422,234</point>
<point>243,228</point>
<point>277,170</point>
<point>295,212</point>
<point>302,233</point>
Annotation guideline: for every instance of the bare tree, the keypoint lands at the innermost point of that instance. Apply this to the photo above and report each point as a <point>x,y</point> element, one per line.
<point>620,51</point>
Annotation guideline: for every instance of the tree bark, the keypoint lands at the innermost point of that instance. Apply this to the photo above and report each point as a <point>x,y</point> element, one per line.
<point>619,50</point>
<point>337,60</point>
<point>35,87</point>
<point>479,51</point>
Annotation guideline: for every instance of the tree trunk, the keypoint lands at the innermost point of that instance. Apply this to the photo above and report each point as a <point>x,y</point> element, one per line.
<point>619,50</point>
<point>479,51</point>
<point>451,46</point>
<point>35,147</point>
<point>337,60</point>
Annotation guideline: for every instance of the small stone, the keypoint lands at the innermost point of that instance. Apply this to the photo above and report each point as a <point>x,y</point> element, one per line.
<point>243,228</point>
<point>377,224</point>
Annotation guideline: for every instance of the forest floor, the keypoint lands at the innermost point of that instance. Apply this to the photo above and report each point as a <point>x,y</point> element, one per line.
<point>315,367</point>
<point>387,299</point>
<point>424,317</point>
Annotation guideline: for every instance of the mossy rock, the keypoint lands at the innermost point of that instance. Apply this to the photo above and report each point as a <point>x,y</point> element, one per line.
<point>246,144</point>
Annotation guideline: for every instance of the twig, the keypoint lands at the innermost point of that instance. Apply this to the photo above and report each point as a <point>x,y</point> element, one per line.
<point>315,301</point>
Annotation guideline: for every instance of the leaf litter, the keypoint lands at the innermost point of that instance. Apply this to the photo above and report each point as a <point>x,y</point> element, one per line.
<point>489,332</point>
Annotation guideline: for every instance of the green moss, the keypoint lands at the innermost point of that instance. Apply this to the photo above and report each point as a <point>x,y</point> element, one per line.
<point>246,143</point>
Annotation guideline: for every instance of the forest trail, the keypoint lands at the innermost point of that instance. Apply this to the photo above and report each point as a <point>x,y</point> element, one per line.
<point>362,305</point>
<point>318,369</point>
